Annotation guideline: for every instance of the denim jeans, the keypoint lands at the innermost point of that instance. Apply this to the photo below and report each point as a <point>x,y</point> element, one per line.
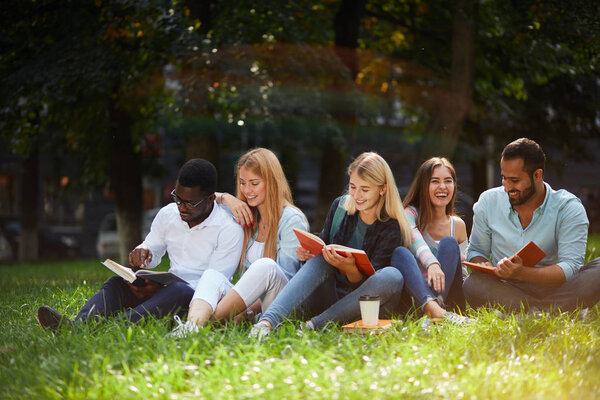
<point>448,256</point>
<point>318,288</point>
<point>115,298</point>
<point>582,290</point>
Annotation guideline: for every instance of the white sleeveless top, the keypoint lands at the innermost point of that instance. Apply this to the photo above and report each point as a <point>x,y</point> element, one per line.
<point>254,252</point>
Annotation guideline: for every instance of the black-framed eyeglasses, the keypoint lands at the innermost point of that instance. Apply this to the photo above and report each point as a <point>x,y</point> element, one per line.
<point>188,204</point>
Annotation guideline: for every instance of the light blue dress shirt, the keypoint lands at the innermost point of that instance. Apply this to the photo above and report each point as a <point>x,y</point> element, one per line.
<point>559,227</point>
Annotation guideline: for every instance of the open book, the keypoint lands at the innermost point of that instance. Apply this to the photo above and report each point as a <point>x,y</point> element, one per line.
<point>315,244</point>
<point>531,254</point>
<point>137,278</point>
<point>358,327</point>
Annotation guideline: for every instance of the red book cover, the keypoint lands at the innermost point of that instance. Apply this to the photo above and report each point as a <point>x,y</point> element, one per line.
<point>315,244</point>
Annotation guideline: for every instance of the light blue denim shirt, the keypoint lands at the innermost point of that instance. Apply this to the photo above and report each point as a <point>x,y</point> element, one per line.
<point>559,227</point>
<point>287,241</point>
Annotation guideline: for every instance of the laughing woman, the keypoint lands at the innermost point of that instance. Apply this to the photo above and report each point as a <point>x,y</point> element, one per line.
<point>329,285</point>
<point>437,233</point>
<point>265,208</point>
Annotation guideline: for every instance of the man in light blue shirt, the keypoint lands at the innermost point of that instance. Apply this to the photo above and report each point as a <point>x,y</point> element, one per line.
<point>527,209</point>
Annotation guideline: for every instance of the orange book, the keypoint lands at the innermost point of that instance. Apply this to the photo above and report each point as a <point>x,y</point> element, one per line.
<point>314,245</point>
<point>531,254</point>
<point>358,327</point>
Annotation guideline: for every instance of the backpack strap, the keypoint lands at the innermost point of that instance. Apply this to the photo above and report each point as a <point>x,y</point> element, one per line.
<point>337,218</point>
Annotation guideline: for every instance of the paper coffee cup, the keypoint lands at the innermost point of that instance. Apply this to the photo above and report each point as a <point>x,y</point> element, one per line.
<point>369,310</point>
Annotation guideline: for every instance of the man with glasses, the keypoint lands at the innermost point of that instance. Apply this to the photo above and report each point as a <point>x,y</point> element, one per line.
<point>195,232</point>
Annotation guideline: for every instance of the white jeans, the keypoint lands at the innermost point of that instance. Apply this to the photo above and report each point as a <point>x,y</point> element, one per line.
<point>263,280</point>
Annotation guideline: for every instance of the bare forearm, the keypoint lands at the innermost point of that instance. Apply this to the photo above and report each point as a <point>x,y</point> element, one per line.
<point>354,275</point>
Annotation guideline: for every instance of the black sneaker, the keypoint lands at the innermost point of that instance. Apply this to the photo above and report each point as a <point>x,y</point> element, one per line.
<point>51,319</point>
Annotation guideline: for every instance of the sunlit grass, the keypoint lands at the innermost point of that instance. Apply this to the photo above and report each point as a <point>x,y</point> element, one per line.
<point>514,357</point>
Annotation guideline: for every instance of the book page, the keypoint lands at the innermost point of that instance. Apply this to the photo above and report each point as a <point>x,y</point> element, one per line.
<point>123,272</point>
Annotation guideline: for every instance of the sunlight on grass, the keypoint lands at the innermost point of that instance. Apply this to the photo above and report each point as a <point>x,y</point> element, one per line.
<point>511,357</point>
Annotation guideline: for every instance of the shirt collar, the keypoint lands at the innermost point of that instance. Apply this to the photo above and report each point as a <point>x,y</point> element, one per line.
<point>211,220</point>
<point>541,208</point>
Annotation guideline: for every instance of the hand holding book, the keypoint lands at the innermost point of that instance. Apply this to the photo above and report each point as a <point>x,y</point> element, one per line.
<point>528,256</point>
<point>314,245</point>
<point>140,257</point>
<point>344,262</point>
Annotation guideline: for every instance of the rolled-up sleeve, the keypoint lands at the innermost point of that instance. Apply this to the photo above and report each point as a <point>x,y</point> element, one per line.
<point>226,256</point>
<point>572,229</point>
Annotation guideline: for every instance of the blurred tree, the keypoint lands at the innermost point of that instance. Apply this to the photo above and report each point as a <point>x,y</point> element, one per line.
<point>95,68</point>
<point>475,70</point>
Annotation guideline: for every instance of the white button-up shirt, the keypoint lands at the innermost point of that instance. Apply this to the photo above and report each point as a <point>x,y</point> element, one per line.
<point>216,243</point>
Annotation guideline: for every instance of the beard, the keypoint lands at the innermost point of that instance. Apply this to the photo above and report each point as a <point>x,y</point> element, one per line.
<point>525,195</point>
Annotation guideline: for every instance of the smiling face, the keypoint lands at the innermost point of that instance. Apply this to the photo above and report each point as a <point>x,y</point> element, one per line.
<point>253,187</point>
<point>517,182</point>
<point>365,194</point>
<point>441,186</point>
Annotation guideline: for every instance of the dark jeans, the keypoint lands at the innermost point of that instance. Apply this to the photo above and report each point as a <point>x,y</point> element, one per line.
<point>449,257</point>
<point>582,290</point>
<point>115,298</point>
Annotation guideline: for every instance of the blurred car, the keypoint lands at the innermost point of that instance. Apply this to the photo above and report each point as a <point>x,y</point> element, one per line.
<point>60,241</point>
<point>107,243</point>
<point>53,241</point>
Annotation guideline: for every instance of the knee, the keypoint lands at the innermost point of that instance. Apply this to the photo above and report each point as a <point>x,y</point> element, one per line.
<point>112,282</point>
<point>400,256</point>
<point>318,264</point>
<point>448,245</point>
<point>390,275</point>
<point>263,266</point>
<point>448,241</point>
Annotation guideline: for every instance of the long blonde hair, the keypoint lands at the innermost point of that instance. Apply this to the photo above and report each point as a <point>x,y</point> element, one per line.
<point>265,164</point>
<point>418,194</point>
<point>372,168</point>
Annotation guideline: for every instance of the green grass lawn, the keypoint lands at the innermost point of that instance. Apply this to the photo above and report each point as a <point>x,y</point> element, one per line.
<point>516,357</point>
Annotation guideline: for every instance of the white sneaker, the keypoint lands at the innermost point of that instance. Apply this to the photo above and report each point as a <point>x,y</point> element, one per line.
<point>455,319</point>
<point>260,330</point>
<point>183,329</point>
